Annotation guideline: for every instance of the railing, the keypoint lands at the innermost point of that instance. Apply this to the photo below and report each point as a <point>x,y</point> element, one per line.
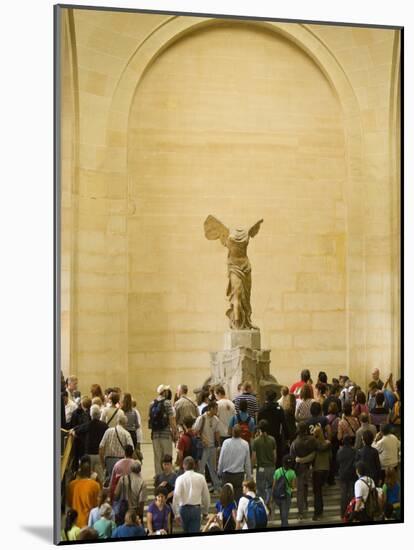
<point>67,452</point>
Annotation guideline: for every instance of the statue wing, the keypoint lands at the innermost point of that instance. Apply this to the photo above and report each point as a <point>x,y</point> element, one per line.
<point>254,230</point>
<point>214,229</point>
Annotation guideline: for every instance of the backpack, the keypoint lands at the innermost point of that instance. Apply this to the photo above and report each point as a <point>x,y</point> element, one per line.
<point>372,503</point>
<point>256,515</point>
<point>246,434</point>
<point>158,418</point>
<point>196,447</point>
<point>280,490</point>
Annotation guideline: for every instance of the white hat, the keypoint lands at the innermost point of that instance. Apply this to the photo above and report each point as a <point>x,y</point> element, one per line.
<point>162,388</point>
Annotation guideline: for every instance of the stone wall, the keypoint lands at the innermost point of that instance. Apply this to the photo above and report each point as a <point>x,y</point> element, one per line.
<point>183,117</point>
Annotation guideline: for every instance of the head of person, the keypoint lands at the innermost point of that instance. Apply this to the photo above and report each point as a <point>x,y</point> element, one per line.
<point>385,429</point>
<point>72,383</point>
<point>306,392</point>
<point>361,469</point>
<point>103,496</point>
<point>86,403</point>
<point>305,375</point>
<point>105,511</point>
<point>129,451</point>
<point>204,396</point>
<point>227,494</point>
<point>333,408</point>
<point>239,387</point>
<point>85,467</point>
<point>95,412</point>
<point>367,438</point>
<point>247,387</point>
<point>321,389</point>
<point>288,462</point>
<point>335,390</point>
<point>126,402</point>
<point>249,485</point>
<point>236,431</point>
<point>114,398</point>
<point>88,533</point>
<point>182,389</point>
<point>379,399</point>
<point>219,392</point>
<point>316,409</point>
<point>347,408</point>
<point>323,377</point>
<point>364,418</point>
<point>342,380</point>
<point>107,395</point>
<point>391,477</point>
<point>188,422</point>
<point>302,429</point>
<point>162,390</point>
<point>372,388</point>
<point>263,426</point>
<point>270,396</point>
<point>122,421</point>
<point>211,408</point>
<point>243,405</point>
<point>284,391</point>
<point>360,397</point>
<point>70,519</point>
<point>167,463</point>
<point>136,467</point>
<point>161,496</point>
<point>335,381</point>
<point>97,401</point>
<point>130,518</point>
<point>188,463</point>
<point>96,391</point>
<point>375,374</point>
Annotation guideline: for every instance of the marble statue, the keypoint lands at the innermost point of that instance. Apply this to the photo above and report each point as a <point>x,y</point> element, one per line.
<point>239,270</point>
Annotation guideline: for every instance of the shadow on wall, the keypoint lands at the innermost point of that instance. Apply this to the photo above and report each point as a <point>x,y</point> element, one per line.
<point>42,532</point>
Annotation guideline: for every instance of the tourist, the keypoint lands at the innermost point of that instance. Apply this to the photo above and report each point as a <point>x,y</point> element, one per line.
<point>360,404</point>
<point>347,476</point>
<point>113,444</point>
<point>70,406</point>
<point>203,400</point>
<point>320,471</point>
<point>391,492</point>
<point>93,432</point>
<point>284,400</point>
<point>321,391</point>
<point>121,467</point>
<point>376,378</point>
<point>370,457</point>
<point>184,407</point>
<point>365,425</point>
<point>363,485</point>
<point>83,494</point>
<point>244,420</point>
<point>283,497</point>
<point>96,391</point>
<point>274,415</point>
<point>290,421</point>
<point>226,508</point>
<point>234,462</point>
<point>70,531</point>
<point>131,527</point>
<point>264,459</point>
<point>167,478</point>
<point>247,394</point>
<point>159,514</point>
<point>162,425</point>
<point>112,412</point>
<point>379,415</point>
<point>333,421</point>
<point>188,443</point>
<point>80,417</point>
<point>225,411</point>
<point>207,427</point>
<point>388,447</point>
<point>318,420</point>
<point>395,415</point>
<point>72,389</point>
<point>305,379</point>
<point>303,450</point>
<point>303,403</point>
<point>348,425</point>
<point>372,392</point>
<point>132,417</point>
<point>104,526</point>
<point>333,397</point>
<point>191,498</point>
<point>139,432</point>
<point>257,519</point>
<point>132,487</point>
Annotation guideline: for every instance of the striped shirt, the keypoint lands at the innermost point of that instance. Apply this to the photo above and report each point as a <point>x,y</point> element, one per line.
<point>303,409</point>
<point>252,405</point>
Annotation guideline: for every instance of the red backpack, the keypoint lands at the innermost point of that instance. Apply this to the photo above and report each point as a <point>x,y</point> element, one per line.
<point>246,434</point>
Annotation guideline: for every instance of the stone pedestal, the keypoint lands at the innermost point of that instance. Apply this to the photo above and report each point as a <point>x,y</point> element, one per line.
<point>241,360</point>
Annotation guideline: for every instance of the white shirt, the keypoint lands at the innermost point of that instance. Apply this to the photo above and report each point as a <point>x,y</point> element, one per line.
<point>225,412</point>
<point>361,489</point>
<point>388,448</point>
<point>69,410</point>
<point>191,488</point>
<point>242,508</point>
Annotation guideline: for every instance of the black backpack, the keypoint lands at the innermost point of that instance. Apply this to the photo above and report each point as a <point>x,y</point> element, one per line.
<point>158,418</point>
<point>280,490</point>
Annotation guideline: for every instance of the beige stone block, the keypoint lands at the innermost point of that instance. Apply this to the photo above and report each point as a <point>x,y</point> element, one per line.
<point>313,302</point>
<point>329,321</point>
<point>116,139</point>
<point>117,225</point>
<point>322,357</point>
<point>280,340</point>
<point>321,340</point>
<point>91,241</point>
<point>93,82</point>
<point>313,282</point>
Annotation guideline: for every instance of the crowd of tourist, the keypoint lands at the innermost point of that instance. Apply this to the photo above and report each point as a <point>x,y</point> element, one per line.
<point>248,459</point>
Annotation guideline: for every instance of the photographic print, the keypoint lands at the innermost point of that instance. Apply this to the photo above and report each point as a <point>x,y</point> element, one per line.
<point>228,274</point>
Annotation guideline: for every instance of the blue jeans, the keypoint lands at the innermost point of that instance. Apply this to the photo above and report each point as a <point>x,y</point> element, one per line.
<point>209,457</point>
<point>284,507</point>
<point>190,518</point>
<point>264,482</point>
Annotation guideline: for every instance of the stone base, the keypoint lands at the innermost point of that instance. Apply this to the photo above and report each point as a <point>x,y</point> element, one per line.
<point>240,363</point>
<point>242,338</point>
